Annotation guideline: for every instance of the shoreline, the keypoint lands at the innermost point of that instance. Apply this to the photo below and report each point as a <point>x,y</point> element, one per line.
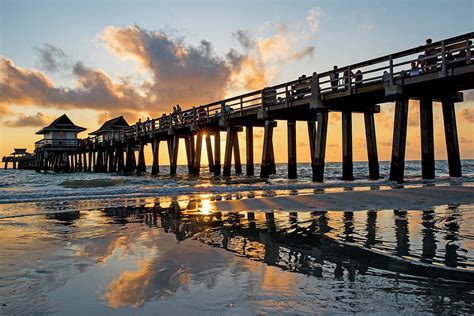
<point>420,198</point>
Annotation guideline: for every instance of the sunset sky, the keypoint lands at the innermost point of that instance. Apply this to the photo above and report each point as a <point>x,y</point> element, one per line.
<point>94,60</point>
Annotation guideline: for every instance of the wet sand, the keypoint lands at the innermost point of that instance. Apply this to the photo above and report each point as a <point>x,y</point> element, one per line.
<point>421,198</point>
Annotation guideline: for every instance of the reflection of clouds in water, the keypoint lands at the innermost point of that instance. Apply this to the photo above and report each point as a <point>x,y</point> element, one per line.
<point>172,268</point>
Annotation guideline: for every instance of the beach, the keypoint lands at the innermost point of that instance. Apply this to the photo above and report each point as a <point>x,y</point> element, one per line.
<point>265,247</point>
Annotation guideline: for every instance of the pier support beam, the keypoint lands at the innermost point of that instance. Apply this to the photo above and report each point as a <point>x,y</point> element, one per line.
<point>347,163</point>
<point>217,153</point>
<point>427,139</point>
<point>84,159</point>
<point>371,140</point>
<point>229,144</point>
<point>197,155</point>
<point>267,152</point>
<point>312,140</point>
<point>141,167</point>
<point>91,161</point>
<point>397,167</point>
<point>451,133</point>
<point>130,163</point>
<point>237,162</point>
<point>292,173</point>
<point>320,146</point>
<point>210,155</point>
<point>249,150</point>
<point>155,147</point>
<point>112,159</point>
<point>174,154</point>
<point>190,152</point>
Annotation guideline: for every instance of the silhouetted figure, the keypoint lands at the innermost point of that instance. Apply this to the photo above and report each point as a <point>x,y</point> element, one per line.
<point>334,79</point>
<point>431,58</point>
<point>358,78</point>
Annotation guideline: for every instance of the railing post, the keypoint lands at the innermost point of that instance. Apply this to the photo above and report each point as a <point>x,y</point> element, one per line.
<point>241,107</point>
<point>443,59</point>
<point>391,70</point>
<point>349,79</point>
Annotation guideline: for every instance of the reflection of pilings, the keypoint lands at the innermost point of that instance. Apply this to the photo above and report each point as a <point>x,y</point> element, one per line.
<point>429,240</point>
<point>349,226</point>
<point>452,226</point>
<point>270,218</point>
<point>371,228</point>
<point>401,233</point>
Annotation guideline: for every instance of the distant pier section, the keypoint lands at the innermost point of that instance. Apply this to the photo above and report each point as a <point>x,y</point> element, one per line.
<point>436,72</point>
<point>19,159</point>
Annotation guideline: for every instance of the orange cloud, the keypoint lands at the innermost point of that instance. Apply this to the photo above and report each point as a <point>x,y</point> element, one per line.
<point>22,120</point>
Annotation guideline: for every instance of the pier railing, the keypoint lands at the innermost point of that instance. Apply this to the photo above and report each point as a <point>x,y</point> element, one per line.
<point>438,57</point>
<point>59,143</point>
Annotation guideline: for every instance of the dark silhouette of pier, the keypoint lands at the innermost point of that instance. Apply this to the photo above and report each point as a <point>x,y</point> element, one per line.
<point>440,76</point>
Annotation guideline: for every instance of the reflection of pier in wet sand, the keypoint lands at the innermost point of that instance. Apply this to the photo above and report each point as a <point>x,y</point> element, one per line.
<point>307,242</point>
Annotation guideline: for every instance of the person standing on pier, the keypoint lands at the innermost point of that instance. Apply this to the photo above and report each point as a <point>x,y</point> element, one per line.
<point>334,79</point>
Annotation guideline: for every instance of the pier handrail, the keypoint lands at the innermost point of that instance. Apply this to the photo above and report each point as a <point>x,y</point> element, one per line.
<point>385,69</point>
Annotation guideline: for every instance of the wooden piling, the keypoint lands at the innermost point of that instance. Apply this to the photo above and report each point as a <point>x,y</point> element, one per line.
<point>312,140</point>
<point>291,128</point>
<point>130,159</point>
<point>91,160</point>
<point>250,170</point>
<point>84,159</point>
<point>427,138</point>
<point>155,147</point>
<point>210,155</point>
<point>237,162</point>
<point>190,152</point>
<point>112,162</point>
<point>371,141</point>
<point>320,146</point>
<point>228,152</point>
<point>347,162</point>
<point>451,134</point>
<point>174,154</point>
<point>141,166</point>
<point>397,167</point>
<point>6,164</point>
<point>265,169</point>
<point>217,153</point>
<point>197,157</point>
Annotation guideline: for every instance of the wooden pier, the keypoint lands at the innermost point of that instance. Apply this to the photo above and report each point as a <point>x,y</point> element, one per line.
<point>442,73</point>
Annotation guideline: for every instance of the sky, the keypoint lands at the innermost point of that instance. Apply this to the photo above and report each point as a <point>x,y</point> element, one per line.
<point>94,60</point>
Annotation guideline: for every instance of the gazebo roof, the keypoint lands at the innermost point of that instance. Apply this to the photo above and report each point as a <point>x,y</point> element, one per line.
<point>110,125</point>
<point>62,123</point>
<point>19,151</point>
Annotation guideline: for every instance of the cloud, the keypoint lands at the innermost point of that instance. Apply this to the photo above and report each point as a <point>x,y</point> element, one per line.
<point>94,89</point>
<point>23,120</point>
<point>51,58</point>
<point>313,19</point>
<point>176,72</point>
<point>365,25</point>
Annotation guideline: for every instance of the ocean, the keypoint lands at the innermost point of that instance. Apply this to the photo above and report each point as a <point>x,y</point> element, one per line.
<point>96,243</point>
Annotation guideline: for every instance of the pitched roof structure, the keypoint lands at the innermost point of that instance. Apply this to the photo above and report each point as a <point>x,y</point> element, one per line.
<point>19,151</point>
<point>111,125</point>
<point>62,123</point>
